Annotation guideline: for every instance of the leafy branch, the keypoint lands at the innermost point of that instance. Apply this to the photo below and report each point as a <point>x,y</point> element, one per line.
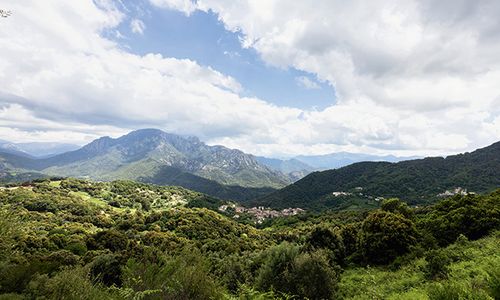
<point>5,13</point>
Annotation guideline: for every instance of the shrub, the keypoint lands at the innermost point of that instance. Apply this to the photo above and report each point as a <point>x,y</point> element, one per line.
<point>68,284</point>
<point>437,264</point>
<point>325,238</point>
<point>106,269</point>
<point>385,236</point>
<point>397,206</point>
<point>307,275</point>
<point>179,277</point>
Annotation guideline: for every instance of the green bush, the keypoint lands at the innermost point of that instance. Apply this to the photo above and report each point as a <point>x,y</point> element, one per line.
<point>179,277</point>
<point>307,275</point>
<point>69,284</point>
<point>437,264</point>
<point>106,269</point>
<point>324,238</point>
<point>385,236</point>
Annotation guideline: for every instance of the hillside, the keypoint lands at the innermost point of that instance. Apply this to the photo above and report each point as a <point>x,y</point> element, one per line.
<point>415,181</point>
<point>143,154</point>
<point>78,239</point>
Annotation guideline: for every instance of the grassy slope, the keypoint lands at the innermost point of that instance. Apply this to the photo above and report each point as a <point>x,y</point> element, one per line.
<point>469,274</point>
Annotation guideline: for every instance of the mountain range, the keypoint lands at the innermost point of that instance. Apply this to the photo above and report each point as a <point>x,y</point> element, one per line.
<point>155,156</point>
<point>415,181</point>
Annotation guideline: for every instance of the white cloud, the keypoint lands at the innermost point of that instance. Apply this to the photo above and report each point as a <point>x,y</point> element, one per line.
<point>410,78</point>
<point>137,26</point>
<point>306,83</point>
<point>389,62</point>
<point>185,6</point>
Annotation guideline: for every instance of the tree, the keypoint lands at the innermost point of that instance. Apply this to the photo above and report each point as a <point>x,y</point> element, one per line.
<point>385,236</point>
<point>323,238</point>
<point>5,13</point>
<point>394,205</point>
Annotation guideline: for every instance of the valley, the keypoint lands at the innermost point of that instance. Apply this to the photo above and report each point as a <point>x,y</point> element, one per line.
<point>155,202</point>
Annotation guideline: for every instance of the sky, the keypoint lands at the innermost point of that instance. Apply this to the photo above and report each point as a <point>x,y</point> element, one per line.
<point>270,77</point>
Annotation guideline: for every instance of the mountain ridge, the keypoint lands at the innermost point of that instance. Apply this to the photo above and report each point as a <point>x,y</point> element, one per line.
<point>415,181</point>
<point>143,153</point>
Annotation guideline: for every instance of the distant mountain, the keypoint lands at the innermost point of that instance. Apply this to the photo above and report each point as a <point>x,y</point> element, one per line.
<point>46,149</point>
<point>415,181</point>
<point>294,168</point>
<point>144,154</point>
<point>342,159</point>
<point>36,149</point>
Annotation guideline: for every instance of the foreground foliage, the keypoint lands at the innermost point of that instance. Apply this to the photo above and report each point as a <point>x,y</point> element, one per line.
<point>76,239</point>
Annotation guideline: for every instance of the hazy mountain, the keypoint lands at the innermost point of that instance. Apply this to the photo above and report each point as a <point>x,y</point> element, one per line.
<point>415,181</point>
<point>342,159</point>
<point>293,168</point>
<point>46,149</point>
<point>36,149</point>
<point>144,154</point>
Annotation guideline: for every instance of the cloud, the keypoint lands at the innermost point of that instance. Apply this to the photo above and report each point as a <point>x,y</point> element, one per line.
<point>306,83</point>
<point>435,62</point>
<point>137,26</point>
<point>185,6</point>
<point>410,79</point>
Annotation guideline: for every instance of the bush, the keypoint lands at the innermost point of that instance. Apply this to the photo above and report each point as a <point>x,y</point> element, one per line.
<point>385,236</point>
<point>437,264</point>
<point>68,284</point>
<point>106,269</point>
<point>471,215</point>
<point>324,238</point>
<point>179,277</point>
<point>307,275</point>
<point>313,276</point>
<point>396,206</point>
<point>112,239</point>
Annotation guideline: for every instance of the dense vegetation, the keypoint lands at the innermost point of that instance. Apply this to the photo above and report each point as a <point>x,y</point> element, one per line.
<point>75,239</point>
<point>415,181</point>
<point>172,176</point>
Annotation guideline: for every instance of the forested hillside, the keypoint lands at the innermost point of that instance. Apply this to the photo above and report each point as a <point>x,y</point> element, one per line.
<point>415,181</point>
<point>74,239</point>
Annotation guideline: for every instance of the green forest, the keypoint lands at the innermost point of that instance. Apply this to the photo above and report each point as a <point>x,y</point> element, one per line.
<point>78,239</point>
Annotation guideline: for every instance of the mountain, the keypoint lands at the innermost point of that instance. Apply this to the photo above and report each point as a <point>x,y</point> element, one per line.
<point>415,181</point>
<point>294,168</point>
<point>46,149</point>
<point>342,159</point>
<point>144,155</point>
<point>12,148</point>
<point>36,149</point>
<point>173,176</point>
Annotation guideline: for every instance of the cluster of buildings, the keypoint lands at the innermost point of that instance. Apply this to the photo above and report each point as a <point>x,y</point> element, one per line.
<point>260,213</point>
<point>456,191</point>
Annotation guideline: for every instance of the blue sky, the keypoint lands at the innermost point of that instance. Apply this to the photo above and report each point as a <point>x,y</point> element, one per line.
<point>203,38</point>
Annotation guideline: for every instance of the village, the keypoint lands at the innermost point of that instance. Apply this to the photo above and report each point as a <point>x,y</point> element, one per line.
<point>259,213</point>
